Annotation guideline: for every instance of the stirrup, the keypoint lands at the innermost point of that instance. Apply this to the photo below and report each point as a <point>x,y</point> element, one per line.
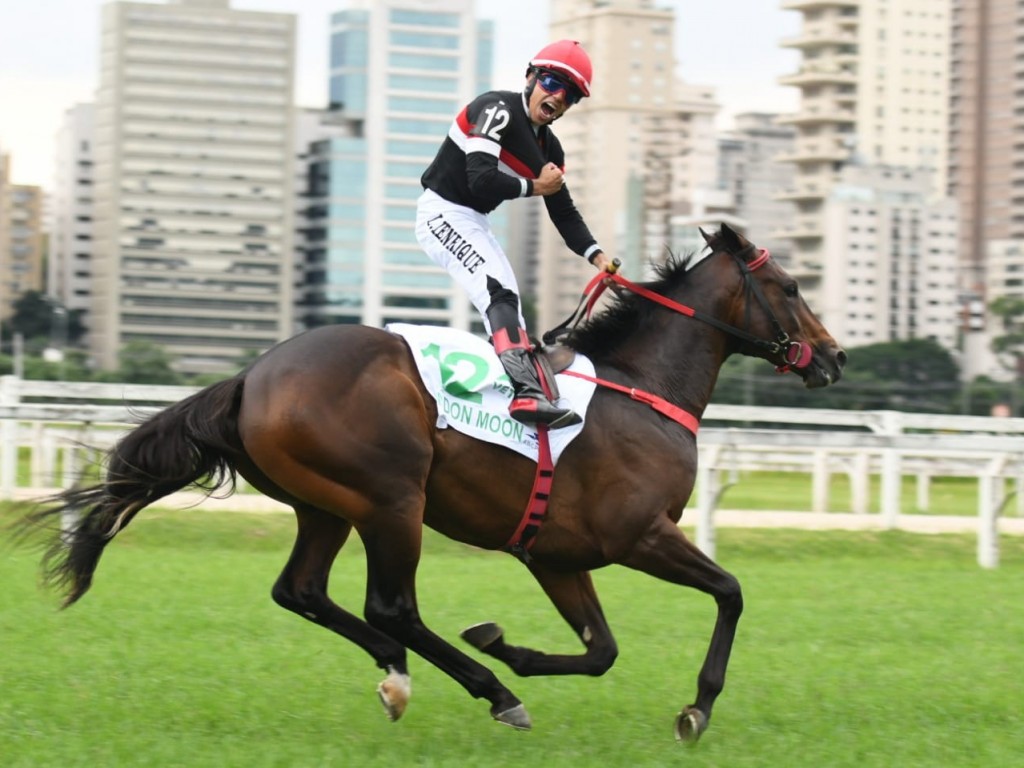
<point>530,410</point>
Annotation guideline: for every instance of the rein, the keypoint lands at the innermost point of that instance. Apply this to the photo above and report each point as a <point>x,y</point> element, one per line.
<point>797,354</point>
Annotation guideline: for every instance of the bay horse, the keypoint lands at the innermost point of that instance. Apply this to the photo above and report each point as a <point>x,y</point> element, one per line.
<point>336,423</point>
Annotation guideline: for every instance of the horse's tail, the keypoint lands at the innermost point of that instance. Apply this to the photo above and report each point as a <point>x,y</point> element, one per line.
<point>191,443</point>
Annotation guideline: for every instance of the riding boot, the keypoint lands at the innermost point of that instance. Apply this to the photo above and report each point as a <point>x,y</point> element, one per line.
<point>530,405</point>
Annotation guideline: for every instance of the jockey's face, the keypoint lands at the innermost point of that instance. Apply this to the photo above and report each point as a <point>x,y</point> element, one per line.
<point>545,107</point>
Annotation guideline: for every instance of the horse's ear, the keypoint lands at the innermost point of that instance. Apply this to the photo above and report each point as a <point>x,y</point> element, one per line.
<point>731,236</point>
<point>705,235</point>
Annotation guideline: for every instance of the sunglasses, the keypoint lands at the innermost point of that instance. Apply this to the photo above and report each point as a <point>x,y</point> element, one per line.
<point>552,83</point>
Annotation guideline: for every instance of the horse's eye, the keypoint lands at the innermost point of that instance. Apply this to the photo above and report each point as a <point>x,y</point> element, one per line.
<point>792,290</point>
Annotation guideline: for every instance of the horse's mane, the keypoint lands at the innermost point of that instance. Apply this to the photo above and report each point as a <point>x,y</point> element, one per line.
<point>627,311</point>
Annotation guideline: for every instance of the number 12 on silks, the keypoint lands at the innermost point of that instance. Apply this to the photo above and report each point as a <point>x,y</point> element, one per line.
<point>463,387</point>
<point>499,118</point>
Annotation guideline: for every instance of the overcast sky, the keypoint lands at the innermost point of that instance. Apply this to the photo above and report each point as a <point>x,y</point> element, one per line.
<point>49,59</point>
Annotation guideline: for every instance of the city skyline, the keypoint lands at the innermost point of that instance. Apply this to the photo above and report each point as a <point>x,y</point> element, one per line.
<point>37,86</point>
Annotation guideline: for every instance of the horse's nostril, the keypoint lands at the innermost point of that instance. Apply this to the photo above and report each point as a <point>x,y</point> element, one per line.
<point>841,358</point>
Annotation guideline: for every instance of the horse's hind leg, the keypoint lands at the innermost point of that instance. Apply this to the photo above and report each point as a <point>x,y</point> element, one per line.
<point>667,554</point>
<point>302,588</point>
<point>392,556</point>
<point>574,596</point>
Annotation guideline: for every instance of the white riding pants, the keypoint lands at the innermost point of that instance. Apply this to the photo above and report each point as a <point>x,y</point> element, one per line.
<point>460,240</point>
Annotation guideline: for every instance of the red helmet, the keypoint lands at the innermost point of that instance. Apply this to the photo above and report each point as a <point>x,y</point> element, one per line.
<point>568,58</point>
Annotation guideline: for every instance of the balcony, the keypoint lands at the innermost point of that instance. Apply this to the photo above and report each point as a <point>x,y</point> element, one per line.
<point>818,38</point>
<point>801,228</point>
<point>808,5</point>
<point>815,115</point>
<point>802,193</point>
<point>820,74</point>
<point>827,150</point>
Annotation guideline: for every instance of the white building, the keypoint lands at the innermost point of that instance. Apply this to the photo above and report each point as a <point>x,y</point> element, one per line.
<point>193,176</point>
<point>892,268</point>
<point>750,172</point>
<point>612,140</point>
<point>874,85</point>
<point>69,268</point>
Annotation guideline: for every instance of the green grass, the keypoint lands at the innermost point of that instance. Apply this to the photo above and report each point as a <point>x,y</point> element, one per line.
<point>856,649</point>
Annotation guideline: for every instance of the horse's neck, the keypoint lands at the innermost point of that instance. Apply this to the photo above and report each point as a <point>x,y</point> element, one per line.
<point>680,364</point>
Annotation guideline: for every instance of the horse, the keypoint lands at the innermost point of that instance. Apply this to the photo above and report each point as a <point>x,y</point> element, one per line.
<point>336,423</point>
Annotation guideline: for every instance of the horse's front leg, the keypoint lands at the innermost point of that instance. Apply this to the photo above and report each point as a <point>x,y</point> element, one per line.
<point>574,596</point>
<point>666,553</point>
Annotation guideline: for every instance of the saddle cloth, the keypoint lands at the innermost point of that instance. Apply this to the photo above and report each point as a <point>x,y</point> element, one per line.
<point>473,392</point>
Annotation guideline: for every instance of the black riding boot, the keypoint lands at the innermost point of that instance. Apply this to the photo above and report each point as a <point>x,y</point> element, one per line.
<point>530,405</point>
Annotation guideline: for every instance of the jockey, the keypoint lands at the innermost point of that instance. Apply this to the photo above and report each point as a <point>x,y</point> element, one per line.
<point>500,147</point>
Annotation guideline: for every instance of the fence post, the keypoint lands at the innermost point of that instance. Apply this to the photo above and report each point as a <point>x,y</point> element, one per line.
<point>988,514</point>
<point>8,439</point>
<point>819,482</point>
<point>924,482</point>
<point>892,474</point>
<point>707,494</point>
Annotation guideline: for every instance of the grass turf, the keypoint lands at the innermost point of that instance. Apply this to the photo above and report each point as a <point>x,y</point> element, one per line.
<point>855,649</point>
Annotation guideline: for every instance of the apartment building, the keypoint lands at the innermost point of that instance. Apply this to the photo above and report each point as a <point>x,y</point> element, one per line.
<point>634,91</point>
<point>193,169</point>
<point>400,72</point>
<point>986,154</point>
<point>893,275</point>
<point>5,224</point>
<point>750,173</point>
<point>22,242</point>
<point>874,89</point>
<point>69,267</point>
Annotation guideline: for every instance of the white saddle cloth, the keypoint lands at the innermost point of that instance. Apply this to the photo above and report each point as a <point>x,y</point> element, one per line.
<point>473,392</point>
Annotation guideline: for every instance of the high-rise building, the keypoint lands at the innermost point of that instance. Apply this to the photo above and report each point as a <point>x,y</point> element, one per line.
<point>874,85</point>
<point>605,137</point>
<point>69,267</point>
<point>193,177</point>
<point>986,168</point>
<point>986,158</point>
<point>749,171</point>
<point>894,275</point>
<point>678,191</point>
<point>400,72</point>
<point>21,239</point>
<point>319,136</point>
<point>5,225</point>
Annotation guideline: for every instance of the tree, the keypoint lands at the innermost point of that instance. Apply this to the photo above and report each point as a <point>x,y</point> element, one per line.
<point>915,375</point>
<point>42,321</point>
<point>33,316</point>
<point>143,362</point>
<point>1009,346</point>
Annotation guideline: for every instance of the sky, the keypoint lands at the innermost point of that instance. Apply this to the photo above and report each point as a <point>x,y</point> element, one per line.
<point>49,59</point>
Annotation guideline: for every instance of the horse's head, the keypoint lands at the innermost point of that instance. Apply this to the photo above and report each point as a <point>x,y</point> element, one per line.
<point>767,314</point>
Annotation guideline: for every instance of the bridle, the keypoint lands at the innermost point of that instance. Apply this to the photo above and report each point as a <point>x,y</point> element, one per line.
<point>796,354</point>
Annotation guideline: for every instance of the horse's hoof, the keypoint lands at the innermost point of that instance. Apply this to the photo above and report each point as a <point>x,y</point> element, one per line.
<point>690,724</point>
<point>394,692</point>
<point>517,717</point>
<point>482,635</point>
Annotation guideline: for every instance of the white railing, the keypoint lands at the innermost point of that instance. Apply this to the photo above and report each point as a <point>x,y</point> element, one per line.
<point>90,417</point>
